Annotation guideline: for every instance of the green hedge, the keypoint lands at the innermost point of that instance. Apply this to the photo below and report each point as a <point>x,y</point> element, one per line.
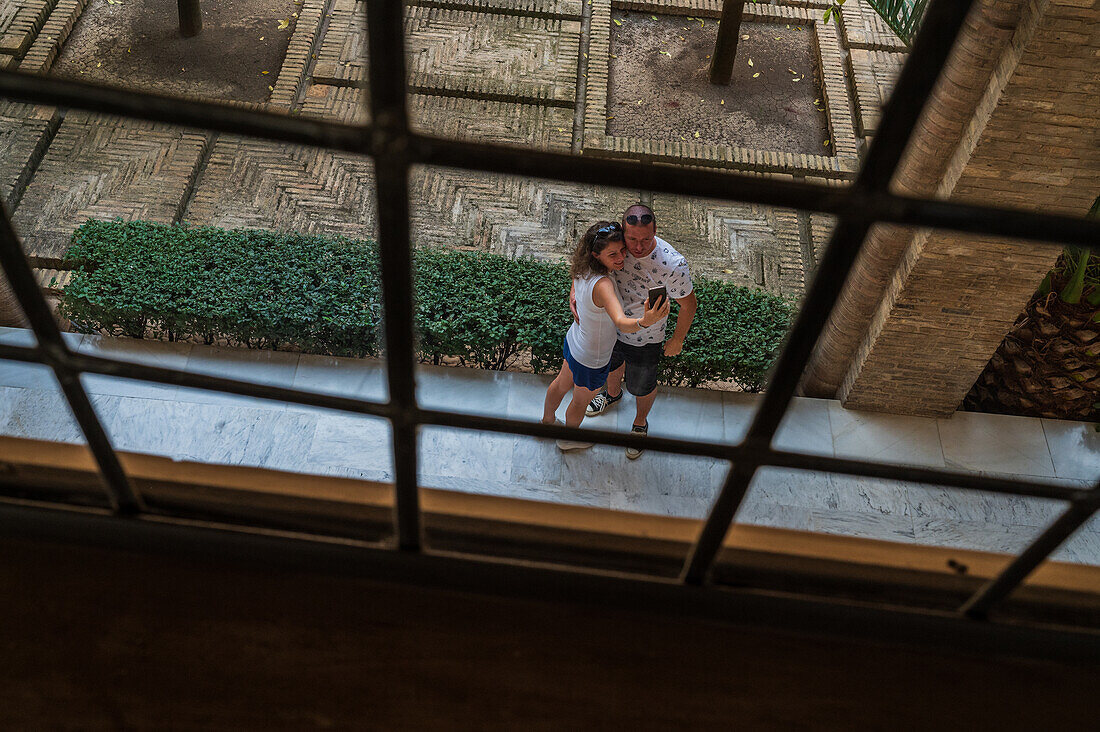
<point>262,289</point>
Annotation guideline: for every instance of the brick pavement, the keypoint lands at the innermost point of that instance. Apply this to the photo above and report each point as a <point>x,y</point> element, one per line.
<point>506,71</point>
<point>105,167</point>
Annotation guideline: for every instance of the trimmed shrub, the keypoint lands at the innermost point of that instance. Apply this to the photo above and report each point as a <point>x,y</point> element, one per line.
<point>263,289</point>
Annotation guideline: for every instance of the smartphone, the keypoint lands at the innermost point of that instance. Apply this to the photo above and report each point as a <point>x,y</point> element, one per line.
<point>656,294</point>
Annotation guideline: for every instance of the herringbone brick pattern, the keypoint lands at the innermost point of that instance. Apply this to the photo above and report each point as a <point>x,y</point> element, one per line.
<point>269,185</point>
<point>873,74</point>
<point>544,128</point>
<point>533,57</point>
<point>514,216</point>
<point>463,51</point>
<point>103,168</point>
<point>25,130</point>
<point>756,246</point>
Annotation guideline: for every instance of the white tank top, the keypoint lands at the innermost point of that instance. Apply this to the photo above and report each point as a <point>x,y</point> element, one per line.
<point>591,340</point>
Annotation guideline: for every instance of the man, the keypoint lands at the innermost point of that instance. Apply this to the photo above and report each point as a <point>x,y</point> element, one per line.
<point>650,262</point>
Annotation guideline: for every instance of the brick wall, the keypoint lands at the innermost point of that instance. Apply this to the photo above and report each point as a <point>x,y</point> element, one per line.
<point>1012,123</point>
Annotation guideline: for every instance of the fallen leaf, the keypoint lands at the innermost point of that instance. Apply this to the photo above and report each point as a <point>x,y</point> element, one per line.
<point>585,55</point>
<point>750,62</point>
<point>683,27</point>
<point>799,27</point>
<point>261,38</point>
<point>756,74</point>
<point>792,71</point>
<point>653,17</point>
<point>727,271</point>
<point>127,49</point>
<point>618,22</point>
<point>796,79</point>
<point>744,38</point>
<point>561,130</point>
<point>721,101</point>
<point>284,23</point>
<point>682,137</point>
<point>613,55</point>
<point>826,143</point>
<point>611,117</point>
<point>667,53</point>
<point>700,22</point>
<point>99,64</point>
<point>696,134</point>
<point>270,88</point>
<point>817,100</point>
<point>682,38</point>
<point>788,27</point>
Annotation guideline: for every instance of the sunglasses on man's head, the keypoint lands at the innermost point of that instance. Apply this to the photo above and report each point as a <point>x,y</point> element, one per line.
<point>644,219</point>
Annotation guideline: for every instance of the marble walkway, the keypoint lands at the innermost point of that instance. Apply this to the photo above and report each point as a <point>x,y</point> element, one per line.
<point>189,424</point>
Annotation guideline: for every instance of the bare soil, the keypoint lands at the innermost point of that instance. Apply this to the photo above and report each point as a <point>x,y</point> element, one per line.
<point>136,43</point>
<point>659,90</point>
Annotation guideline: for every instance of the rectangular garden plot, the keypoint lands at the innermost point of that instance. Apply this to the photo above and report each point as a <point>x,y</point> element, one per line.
<point>648,94</point>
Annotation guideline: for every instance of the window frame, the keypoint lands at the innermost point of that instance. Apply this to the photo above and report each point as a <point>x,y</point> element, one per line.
<point>394,148</point>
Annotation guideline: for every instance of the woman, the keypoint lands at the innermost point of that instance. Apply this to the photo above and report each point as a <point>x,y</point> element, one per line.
<point>588,343</point>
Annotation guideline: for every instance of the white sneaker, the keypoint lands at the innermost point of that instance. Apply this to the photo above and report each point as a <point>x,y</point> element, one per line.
<point>567,445</point>
<point>632,452</point>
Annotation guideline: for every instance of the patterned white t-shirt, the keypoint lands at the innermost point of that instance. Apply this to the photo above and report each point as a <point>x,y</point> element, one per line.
<point>663,266</point>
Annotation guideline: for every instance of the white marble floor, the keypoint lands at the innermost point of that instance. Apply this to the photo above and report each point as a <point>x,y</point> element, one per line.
<point>190,424</point>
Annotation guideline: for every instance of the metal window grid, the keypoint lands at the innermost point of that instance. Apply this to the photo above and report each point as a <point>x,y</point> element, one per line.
<point>395,147</point>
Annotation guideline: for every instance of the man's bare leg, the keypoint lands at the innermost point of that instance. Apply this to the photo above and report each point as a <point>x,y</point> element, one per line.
<point>615,381</point>
<point>644,405</point>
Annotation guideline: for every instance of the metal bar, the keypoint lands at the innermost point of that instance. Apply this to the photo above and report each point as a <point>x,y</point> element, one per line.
<point>385,29</point>
<point>978,606</point>
<point>190,17</point>
<point>725,47</point>
<point>720,451</point>
<point>878,205</point>
<point>52,347</point>
<point>914,87</point>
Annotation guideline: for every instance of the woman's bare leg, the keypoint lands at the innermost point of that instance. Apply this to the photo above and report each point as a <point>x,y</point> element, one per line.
<point>557,390</point>
<point>574,413</point>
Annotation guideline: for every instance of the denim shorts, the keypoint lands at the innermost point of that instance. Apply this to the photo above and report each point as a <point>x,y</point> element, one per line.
<point>642,364</point>
<point>589,378</point>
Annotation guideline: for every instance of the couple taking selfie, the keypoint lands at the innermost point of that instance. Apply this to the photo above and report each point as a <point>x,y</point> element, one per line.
<point>624,279</point>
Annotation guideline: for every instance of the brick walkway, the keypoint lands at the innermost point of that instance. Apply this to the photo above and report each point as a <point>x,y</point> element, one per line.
<point>509,71</point>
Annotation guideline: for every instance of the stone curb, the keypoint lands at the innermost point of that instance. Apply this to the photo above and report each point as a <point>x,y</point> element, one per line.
<point>46,47</point>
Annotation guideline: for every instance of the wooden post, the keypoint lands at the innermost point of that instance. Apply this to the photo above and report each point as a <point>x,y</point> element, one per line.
<point>725,48</point>
<point>190,17</point>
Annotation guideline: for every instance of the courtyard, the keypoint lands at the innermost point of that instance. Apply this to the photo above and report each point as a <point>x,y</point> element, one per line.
<point>610,79</point>
<point>517,73</point>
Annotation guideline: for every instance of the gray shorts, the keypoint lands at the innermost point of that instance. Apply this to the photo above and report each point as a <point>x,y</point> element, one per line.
<point>642,363</point>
